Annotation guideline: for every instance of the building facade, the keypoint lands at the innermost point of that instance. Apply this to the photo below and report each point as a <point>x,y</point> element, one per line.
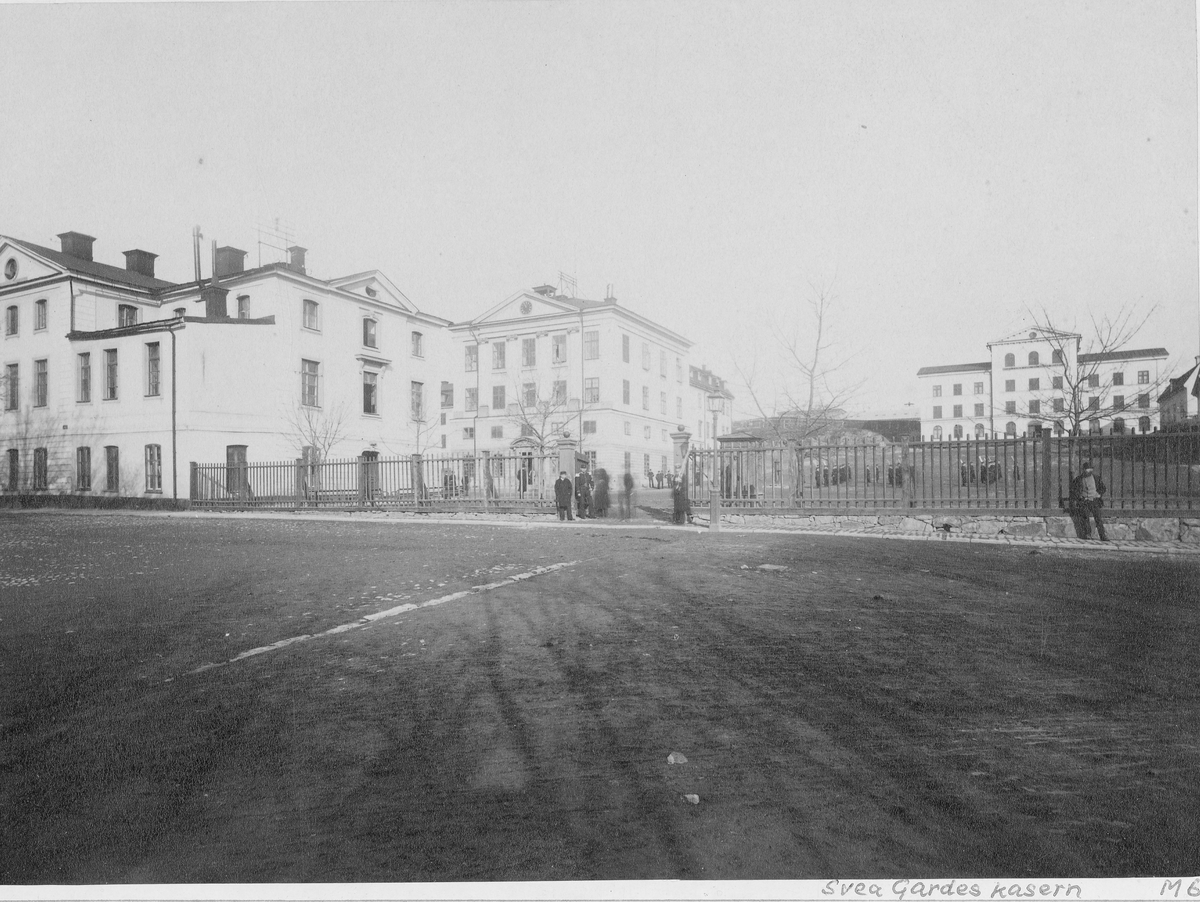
<point>114,380</point>
<point>1179,404</point>
<point>1038,380</point>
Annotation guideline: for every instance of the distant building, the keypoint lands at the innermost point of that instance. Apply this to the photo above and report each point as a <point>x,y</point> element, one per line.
<point>1179,404</point>
<point>890,425</point>
<point>1037,380</point>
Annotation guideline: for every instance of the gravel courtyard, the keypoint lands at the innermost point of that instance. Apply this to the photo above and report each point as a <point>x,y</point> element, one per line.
<point>231,698</point>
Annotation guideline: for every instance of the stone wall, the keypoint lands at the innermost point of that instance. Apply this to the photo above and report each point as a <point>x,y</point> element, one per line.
<point>1118,528</point>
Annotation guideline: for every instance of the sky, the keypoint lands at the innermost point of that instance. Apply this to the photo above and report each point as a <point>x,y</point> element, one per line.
<point>938,169</point>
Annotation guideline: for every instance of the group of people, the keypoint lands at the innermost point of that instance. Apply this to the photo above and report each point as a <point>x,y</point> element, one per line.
<point>587,497</point>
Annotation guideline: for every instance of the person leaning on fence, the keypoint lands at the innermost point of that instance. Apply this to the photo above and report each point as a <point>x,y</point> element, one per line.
<point>563,492</point>
<point>1087,497</point>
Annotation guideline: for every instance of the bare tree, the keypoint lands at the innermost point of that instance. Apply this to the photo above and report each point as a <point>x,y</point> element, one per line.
<point>315,431</point>
<point>814,388</point>
<point>538,412</point>
<point>1078,392</point>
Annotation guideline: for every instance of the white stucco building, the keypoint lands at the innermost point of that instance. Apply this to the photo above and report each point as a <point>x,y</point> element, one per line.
<point>1037,379</point>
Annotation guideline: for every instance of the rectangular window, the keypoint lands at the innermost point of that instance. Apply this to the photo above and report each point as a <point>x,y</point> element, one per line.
<point>528,352</point>
<point>41,382</point>
<point>11,321</point>
<point>498,404</point>
<point>370,338</point>
<point>662,364</point>
<point>442,421</point>
<point>1143,377</point>
<point>979,388</point>
<point>1010,407</point>
<point>558,347</point>
<point>310,376</point>
<point>471,398</point>
<point>243,306</point>
<point>937,412</point>
<point>418,344</point>
<point>1143,401</point>
<point>468,432</point>
<point>1118,402</point>
<point>645,397</point>
<point>628,462</point>
<point>39,316</point>
<point>112,468</point>
<point>978,410</point>
<point>110,374</point>
<point>152,369</point>
<point>645,356</point>
<point>1010,384</point>
<point>957,388</point>
<point>526,431</point>
<point>498,354</point>
<point>14,469</point>
<point>416,397</point>
<point>11,382</point>
<point>628,428</point>
<point>1058,405</point>
<point>624,348</point>
<point>126,315</point>
<point>591,390</point>
<point>84,386</point>
<point>1093,380</point>
<point>625,392</point>
<point>679,408</point>
<point>957,411</point>
<point>1035,384</point>
<point>1035,407</point>
<point>646,463</point>
<point>370,392</point>
<point>154,468</point>
<point>1056,382</point>
<point>1056,356</point>
<point>497,432</point>
<point>937,391</point>
<point>41,468</point>
<point>589,427</point>
<point>662,403</point>
<point>679,370</point>
<point>312,315</point>
<point>443,440</point>
<point>83,469</point>
<point>471,358</point>
<point>647,432</point>
<point>560,391</point>
<point>447,398</point>
<point>1093,403</point>
<point>529,394</point>
<point>1118,379</point>
<point>591,345</point>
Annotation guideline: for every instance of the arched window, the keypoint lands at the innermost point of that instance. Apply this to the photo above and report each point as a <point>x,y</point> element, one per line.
<point>980,431</point>
<point>1119,426</point>
<point>1010,360</point>
<point>1033,358</point>
<point>958,430</point>
<point>1143,425</point>
<point>1010,429</point>
<point>937,433</point>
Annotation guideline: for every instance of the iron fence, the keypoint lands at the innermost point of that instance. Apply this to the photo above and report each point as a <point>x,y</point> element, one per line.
<point>1141,472</point>
<point>415,482</point>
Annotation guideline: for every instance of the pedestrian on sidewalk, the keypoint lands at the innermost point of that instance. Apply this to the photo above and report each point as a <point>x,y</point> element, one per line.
<point>563,492</point>
<point>1087,497</point>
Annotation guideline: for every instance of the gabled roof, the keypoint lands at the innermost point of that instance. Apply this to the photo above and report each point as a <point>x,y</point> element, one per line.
<point>1044,334</point>
<point>1180,383</point>
<point>93,269</point>
<point>983,367</point>
<point>370,279</point>
<point>1106,356</point>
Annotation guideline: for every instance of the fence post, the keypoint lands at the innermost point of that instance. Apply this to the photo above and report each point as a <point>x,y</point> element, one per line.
<point>1046,440</point>
<point>194,483</point>
<point>906,468</point>
<point>300,479</point>
<point>488,487</point>
<point>417,478</point>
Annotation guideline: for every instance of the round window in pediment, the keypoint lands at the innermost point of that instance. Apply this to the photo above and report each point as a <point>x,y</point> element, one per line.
<point>10,268</point>
<point>526,306</point>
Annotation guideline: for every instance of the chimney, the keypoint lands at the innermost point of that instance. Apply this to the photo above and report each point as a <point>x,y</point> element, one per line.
<point>214,297</point>
<point>77,244</point>
<point>546,291</point>
<point>230,261</point>
<point>297,257</point>
<point>141,262</point>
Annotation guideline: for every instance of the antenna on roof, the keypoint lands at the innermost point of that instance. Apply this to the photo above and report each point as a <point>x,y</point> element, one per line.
<point>567,285</point>
<point>276,239</point>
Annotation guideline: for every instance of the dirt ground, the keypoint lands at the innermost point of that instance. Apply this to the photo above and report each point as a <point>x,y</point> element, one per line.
<point>878,708</point>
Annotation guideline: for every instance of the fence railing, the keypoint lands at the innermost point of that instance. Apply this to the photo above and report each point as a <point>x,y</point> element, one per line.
<point>1141,472</point>
<point>415,482</point>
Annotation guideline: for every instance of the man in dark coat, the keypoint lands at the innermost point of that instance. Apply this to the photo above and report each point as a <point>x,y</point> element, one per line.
<point>563,492</point>
<point>1087,497</point>
<point>626,500</point>
<point>682,504</point>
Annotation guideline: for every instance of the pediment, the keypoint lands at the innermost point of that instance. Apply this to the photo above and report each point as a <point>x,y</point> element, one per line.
<point>375,286</point>
<point>19,265</point>
<point>524,305</point>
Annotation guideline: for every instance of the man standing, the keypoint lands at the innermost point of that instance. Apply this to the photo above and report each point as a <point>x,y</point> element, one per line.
<point>627,496</point>
<point>563,493</point>
<point>1087,496</point>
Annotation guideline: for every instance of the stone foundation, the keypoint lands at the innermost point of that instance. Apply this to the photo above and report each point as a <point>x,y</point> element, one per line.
<point>1121,528</point>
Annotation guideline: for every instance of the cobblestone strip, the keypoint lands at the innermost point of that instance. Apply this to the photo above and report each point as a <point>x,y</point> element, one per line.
<point>369,619</point>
